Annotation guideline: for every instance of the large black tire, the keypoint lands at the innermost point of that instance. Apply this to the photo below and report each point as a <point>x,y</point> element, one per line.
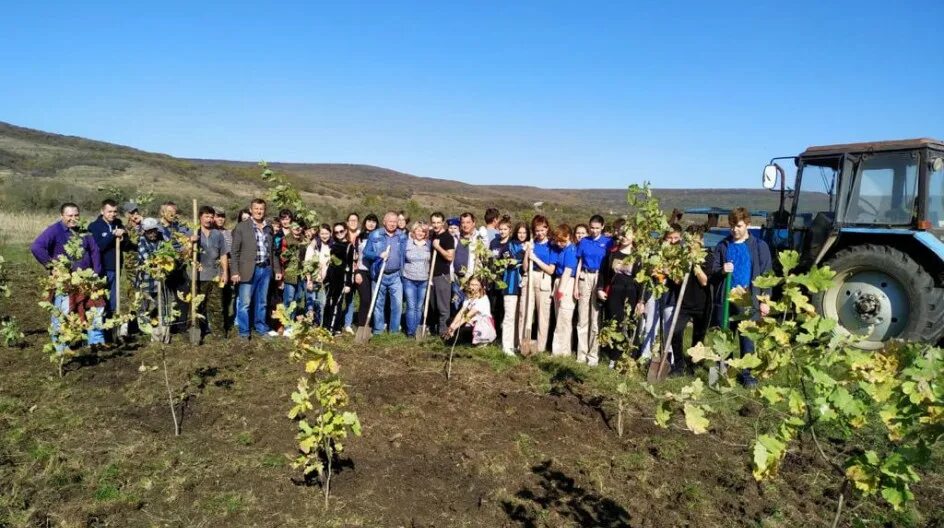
<point>883,287</point>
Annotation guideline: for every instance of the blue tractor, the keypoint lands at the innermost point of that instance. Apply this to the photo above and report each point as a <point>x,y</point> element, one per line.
<point>874,213</point>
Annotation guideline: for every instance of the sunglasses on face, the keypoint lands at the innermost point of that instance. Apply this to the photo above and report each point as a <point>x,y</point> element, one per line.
<point>340,232</point>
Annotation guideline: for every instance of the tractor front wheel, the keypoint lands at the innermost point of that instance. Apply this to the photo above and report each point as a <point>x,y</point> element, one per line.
<point>881,293</point>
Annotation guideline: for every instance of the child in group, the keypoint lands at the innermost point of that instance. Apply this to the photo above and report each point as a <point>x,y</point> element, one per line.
<point>475,315</point>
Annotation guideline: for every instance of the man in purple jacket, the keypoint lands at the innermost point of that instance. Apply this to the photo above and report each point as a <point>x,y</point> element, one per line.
<point>49,245</point>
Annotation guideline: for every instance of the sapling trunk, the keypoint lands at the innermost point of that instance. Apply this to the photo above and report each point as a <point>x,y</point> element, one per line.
<point>451,350</point>
<point>170,394</point>
<point>160,322</point>
<point>327,483</point>
<point>619,417</point>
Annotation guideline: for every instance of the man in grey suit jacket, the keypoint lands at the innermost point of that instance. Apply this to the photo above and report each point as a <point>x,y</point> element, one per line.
<point>252,266</point>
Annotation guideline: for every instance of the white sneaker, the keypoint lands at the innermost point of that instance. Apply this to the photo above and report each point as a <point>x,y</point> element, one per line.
<point>287,332</point>
<point>272,333</point>
<point>348,330</point>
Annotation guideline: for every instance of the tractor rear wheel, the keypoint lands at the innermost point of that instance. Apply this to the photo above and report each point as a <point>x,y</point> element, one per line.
<point>881,293</point>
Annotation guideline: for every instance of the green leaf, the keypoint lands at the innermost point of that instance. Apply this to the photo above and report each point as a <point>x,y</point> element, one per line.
<point>816,280</point>
<point>663,415</point>
<point>789,260</point>
<point>897,496</point>
<point>695,419</point>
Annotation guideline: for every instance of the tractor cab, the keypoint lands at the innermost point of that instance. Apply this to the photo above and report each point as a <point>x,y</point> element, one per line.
<point>874,212</point>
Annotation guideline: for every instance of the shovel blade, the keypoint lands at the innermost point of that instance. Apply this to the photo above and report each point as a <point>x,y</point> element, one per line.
<point>421,333</point>
<point>363,335</point>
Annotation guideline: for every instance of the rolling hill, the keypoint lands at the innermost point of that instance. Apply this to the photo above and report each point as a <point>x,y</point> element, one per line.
<point>39,170</point>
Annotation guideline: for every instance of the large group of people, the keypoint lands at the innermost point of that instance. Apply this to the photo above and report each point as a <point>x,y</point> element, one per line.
<point>549,288</point>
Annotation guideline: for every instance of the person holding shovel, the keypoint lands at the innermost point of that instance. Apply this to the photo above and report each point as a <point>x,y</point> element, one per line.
<point>445,246</point>
<point>617,287</point>
<point>743,257</point>
<point>695,307</point>
<point>213,263</point>
<point>148,243</point>
<point>110,238</point>
<point>542,259</point>
<point>387,245</point>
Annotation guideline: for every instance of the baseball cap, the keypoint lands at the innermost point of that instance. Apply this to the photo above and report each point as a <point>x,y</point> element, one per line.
<point>150,223</point>
<point>129,207</point>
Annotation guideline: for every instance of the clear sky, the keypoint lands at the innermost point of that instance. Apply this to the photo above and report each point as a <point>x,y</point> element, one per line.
<point>554,94</point>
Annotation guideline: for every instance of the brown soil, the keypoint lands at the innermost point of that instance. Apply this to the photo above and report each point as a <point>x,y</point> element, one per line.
<point>523,443</point>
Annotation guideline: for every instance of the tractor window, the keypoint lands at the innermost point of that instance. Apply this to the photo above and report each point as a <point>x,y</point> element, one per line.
<point>884,190</point>
<point>936,199</point>
<point>815,188</point>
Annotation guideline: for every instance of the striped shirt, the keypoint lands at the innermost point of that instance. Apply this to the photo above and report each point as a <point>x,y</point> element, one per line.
<point>416,265</point>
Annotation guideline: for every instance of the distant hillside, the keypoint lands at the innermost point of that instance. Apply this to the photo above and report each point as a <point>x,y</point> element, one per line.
<point>39,170</point>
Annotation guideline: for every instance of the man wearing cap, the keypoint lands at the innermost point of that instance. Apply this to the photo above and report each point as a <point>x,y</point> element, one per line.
<point>150,240</point>
<point>133,220</point>
<point>591,251</point>
<point>253,264</point>
<point>109,235</point>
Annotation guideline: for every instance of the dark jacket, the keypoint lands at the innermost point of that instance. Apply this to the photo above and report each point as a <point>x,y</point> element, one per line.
<point>760,264</point>
<point>340,271</point>
<point>243,253</point>
<point>105,240</point>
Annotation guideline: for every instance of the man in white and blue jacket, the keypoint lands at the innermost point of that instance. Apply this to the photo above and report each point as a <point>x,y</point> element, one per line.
<point>387,244</point>
<point>745,257</point>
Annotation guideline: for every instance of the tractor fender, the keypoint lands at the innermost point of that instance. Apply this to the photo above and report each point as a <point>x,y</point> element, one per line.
<point>923,246</point>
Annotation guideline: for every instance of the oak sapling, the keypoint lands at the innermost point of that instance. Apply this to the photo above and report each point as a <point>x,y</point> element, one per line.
<point>811,375</point>
<point>319,401</point>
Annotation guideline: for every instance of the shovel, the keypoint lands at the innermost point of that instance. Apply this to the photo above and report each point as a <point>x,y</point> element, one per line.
<point>715,372</point>
<point>423,331</point>
<point>527,345</point>
<point>196,334</point>
<point>364,332</point>
<point>122,331</point>
<point>659,370</point>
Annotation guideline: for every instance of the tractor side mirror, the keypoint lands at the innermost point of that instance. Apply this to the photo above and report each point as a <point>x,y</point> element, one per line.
<point>770,176</point>
<point>937,164</point>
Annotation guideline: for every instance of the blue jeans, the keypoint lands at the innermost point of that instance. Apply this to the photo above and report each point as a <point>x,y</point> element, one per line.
<point>315,303</point>
<point>255,292</point>
<point>391,284</point>
<point>349,314</point>
<point>415,292</point>
<point>96,336</point>
<point>294,292</point>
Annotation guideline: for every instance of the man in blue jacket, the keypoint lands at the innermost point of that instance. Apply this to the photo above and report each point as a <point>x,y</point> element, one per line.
<point>387,244</point>
<point>109,234</point>
<point>744,257</point>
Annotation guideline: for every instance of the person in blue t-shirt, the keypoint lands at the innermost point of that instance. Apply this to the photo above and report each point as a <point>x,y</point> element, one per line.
<point>509,244</point>
<point>590,253</point>
<point>564,274</point>
<point>744,257</point>
<point>542,259</point>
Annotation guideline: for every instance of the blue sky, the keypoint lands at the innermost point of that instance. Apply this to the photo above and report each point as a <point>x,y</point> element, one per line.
<point>554,94</point>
